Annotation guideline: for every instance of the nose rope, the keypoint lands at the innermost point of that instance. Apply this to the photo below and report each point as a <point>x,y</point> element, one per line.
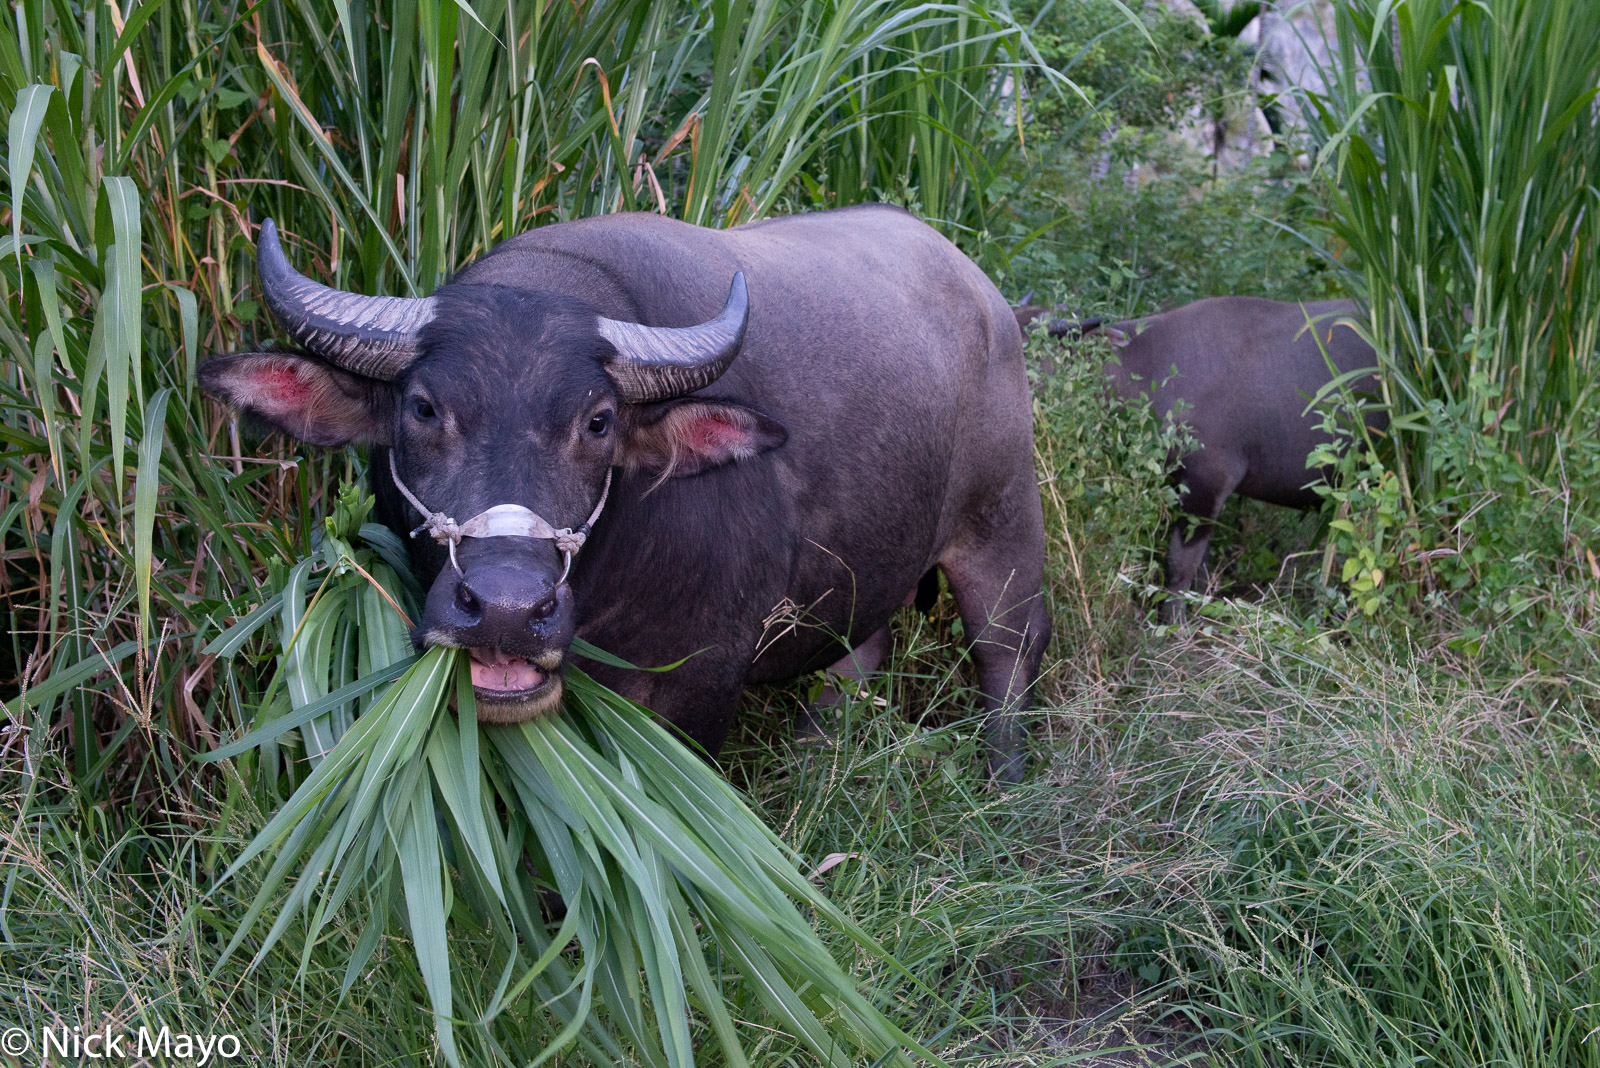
<point>501,521</point>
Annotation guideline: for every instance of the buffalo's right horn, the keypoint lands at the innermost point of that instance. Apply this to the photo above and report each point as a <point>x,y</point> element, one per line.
<point>656,363</point>
<point>373,336</point>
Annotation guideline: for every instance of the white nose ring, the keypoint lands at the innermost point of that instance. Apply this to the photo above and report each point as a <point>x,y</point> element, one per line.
<point>502,521</point>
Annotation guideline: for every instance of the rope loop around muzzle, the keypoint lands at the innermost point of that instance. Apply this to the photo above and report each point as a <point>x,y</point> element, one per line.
<point>501,521</point>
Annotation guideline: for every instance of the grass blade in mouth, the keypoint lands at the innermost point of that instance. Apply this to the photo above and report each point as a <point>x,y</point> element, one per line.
<point>682,925</point>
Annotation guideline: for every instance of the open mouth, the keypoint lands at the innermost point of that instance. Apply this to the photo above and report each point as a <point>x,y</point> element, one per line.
<point>499,676</point>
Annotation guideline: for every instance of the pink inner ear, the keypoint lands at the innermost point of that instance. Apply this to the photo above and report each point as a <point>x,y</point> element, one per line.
<point>709,435</point>
<point>282,385</point>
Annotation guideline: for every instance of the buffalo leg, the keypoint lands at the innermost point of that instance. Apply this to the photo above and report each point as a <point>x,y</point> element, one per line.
<point>1202,493</point>
<point>857,665</point>
<point>997,591</point>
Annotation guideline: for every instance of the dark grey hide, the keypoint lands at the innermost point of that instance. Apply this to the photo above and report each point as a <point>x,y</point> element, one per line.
<point>876,424</point>
<point>1246,368</point>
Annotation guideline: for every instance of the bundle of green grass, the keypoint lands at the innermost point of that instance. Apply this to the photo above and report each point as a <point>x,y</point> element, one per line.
<point>679,925</point>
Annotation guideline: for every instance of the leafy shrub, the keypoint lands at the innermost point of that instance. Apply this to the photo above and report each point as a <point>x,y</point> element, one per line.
<point>1105,472</point>
<point>1146,75</point>
<point>1168,236</point>
<point>1503,560</point>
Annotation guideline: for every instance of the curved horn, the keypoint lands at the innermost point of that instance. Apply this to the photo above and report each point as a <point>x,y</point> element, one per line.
<point>658,363</point>
<point>373,336</point>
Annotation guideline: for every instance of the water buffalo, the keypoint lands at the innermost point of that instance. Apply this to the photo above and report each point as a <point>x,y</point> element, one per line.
<point>775,432</point>
<point>1246,368</point>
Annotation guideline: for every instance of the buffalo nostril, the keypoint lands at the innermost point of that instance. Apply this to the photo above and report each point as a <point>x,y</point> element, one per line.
<point>466,600</point>
<point>545,608</point>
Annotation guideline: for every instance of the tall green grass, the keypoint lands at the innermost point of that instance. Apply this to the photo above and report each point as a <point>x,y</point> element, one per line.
<point>1464,145</point>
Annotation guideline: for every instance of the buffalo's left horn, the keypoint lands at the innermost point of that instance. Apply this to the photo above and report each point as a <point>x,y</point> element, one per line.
<point>373,336</point>
<point>658,363</point>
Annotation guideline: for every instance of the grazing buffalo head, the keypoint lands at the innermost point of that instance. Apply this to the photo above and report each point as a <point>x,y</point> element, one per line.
<point>512,402</point>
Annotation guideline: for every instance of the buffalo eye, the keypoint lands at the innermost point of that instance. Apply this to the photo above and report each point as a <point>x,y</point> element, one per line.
<point>422,408</point>
<point>600,424</point>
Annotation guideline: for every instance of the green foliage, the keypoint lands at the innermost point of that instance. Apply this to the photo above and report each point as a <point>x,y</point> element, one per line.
<point>1270,844</point>
<point>1378,940</point>
<point>1105,467</point>
<point>1464,151</point>
<point>1229,20</point>
<point>1107,181</point>
<point>1147,74</point>
<point>136,899</point>
<point>1363,494</point>
<point>1512,567</point>
<point>1464,147</point>
<point>1155,232</point>
<point>1106,209</point>
<point>1367,525</point>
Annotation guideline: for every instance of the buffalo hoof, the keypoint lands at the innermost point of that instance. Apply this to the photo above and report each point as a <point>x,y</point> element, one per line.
<point>1007,749</point>
<point>813,729</point>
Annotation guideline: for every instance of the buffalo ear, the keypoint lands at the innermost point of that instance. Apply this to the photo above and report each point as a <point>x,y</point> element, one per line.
<point>301,396</point>
<point>682,438</point>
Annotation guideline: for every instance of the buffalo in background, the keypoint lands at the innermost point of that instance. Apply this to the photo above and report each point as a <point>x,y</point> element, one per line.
<point>1240,372</point>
